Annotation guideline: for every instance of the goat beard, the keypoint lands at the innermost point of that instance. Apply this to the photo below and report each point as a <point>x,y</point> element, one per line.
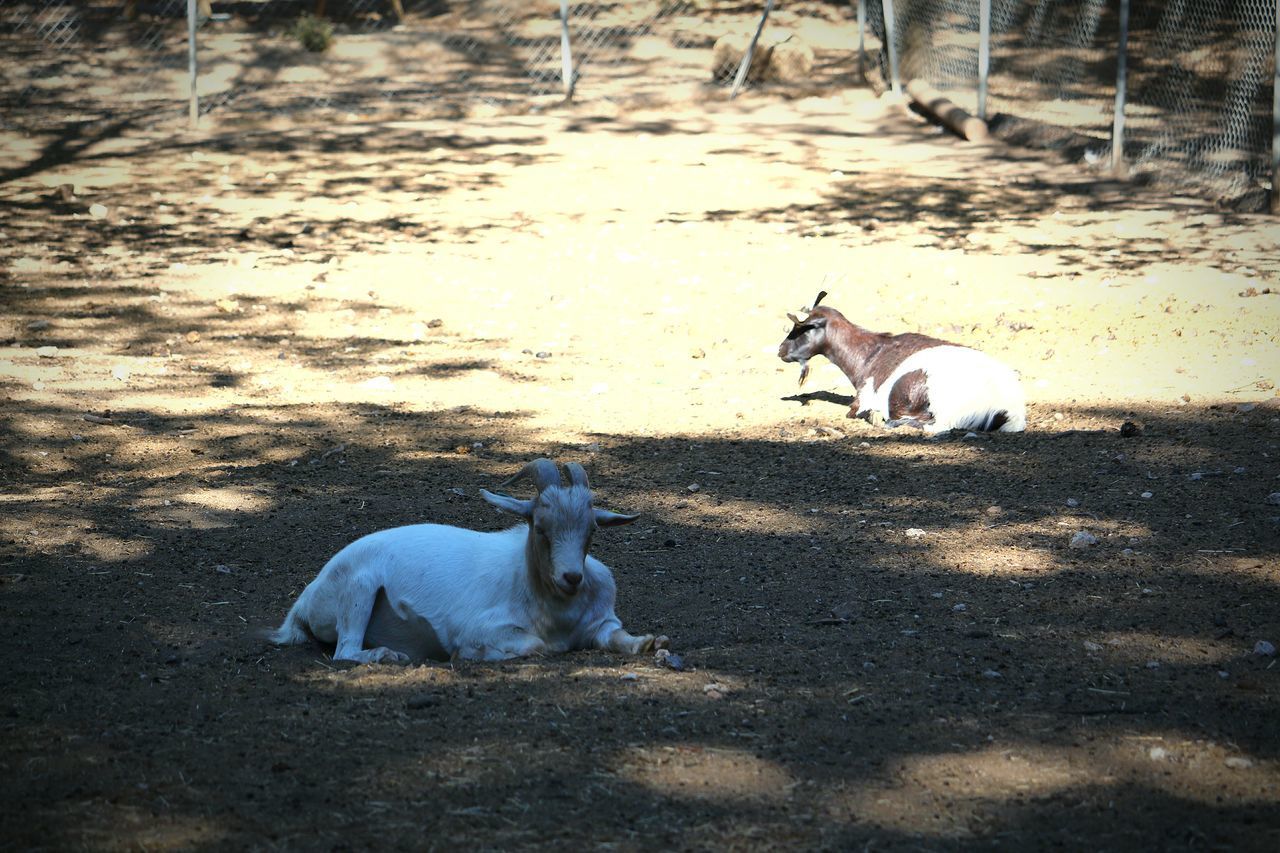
<point>804,372</point>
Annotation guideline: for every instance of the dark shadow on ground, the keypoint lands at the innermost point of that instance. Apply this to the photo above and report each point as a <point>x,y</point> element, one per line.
<point>864,668</point>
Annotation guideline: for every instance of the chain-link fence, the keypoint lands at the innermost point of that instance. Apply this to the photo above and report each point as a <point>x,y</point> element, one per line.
<point>1198,96</point>
<point>117,59</point>
<point>1198,101</point>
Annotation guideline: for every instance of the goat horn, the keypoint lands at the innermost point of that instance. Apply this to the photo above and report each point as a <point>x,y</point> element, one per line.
<point>543,472</point>
<point>821,293</point>
<point>577,475</point>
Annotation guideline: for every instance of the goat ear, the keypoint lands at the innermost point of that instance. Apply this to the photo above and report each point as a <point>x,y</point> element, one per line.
<point>604,518</point>
<point>506,503</point>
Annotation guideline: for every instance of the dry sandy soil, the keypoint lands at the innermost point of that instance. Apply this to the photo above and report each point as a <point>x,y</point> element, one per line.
<point>287,337</point>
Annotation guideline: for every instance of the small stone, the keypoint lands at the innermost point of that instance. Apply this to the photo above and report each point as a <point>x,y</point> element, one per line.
<point>1146,495</point>
<point>1091,646</point>
<point>1129,429</point>
<point>993,511</point>
<point>960,608</point>
<point>1273,499</point>
<point>1072,502</point>
<point>121,372</point>
<point>714,690</point>
<point>193,337</point>
<point>694,487</point>
<point>52,352</point>
<point>1264,648</point>
<point>227,306</point>
<point>914,532</point>
<point>936,594</point>
<point>378,383</point>
<point>1082,539</point>
<point>435,324</point>
<point>1238,762</point>
<point>1245,408</point>
<point>991,673</point>
<point>98,211</point>
<point>542,354</point>
<point>629,676</point>
<point>221,568</point>
<point>1153,664</point>
<point>969,435</point>
<point>37,325</point>
<point>864,444</point>
<point>669,659</point>
<point>1158,753</point>
<point>1198,475</point>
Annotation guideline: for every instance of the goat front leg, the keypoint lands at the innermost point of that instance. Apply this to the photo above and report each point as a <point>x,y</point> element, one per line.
<point>622,642</point>
<point>515,643</point>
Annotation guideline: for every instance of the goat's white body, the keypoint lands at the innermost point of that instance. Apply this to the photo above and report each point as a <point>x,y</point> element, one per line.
<point>966,388</point>
<point>449,591</point>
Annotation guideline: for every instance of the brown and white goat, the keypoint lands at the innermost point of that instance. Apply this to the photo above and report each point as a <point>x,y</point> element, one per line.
<point>909,379</point>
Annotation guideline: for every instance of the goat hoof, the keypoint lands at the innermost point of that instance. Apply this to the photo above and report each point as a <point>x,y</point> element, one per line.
<point>662,641</point>
<point>384,655</point>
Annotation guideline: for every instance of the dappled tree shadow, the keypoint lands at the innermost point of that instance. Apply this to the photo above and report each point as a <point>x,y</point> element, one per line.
<point>860,666</point>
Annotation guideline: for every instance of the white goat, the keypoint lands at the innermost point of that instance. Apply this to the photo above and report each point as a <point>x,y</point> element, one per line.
<point>430,591</point>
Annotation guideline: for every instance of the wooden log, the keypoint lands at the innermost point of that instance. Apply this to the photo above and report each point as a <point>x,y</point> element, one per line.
<point>948,112</point>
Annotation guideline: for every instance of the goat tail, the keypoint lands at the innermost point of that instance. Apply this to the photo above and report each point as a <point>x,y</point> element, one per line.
<point>292,630</point>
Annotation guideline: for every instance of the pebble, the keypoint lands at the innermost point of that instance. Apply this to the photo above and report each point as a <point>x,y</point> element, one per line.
<point>960,608</point>
<point>121,372</point>
<point>47,352</point>
<point>630,676</point>
<point>1072,502</point>
<point>98,211</point>
<point>994,511</point>
<point>1091,646</point>
<point>714,690</point>
<point>669,659</point>
<point>1238,762</point>
<point>37,325</point>
<point>1158,753</point>
<point>1273,499</point>
<point>1153,664</point>
<point>694,487</point>
<point>914,532</point>
<point>1265,649</point>
<point>991,673</point>
<point>1083,539</point>
<point>1146,495</point>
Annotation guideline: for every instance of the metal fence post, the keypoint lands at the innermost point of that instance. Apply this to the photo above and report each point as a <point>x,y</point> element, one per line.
<point>741,76</point>
<point>862,39</point>
<point>1275,121</point>
<point>984,55</point>
<point>895,82</point>
<point>566,55</point>
<point>1122,72</point>
<point>193,110</point>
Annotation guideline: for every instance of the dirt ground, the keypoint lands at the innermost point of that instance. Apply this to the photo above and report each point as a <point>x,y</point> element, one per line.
<point>227,354</point>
